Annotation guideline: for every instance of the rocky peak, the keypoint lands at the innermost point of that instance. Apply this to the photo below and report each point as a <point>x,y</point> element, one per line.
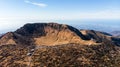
<point>51,33</point>
<point>41,29</point>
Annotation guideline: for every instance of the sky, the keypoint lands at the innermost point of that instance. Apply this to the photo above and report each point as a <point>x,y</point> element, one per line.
<point>15,13</point>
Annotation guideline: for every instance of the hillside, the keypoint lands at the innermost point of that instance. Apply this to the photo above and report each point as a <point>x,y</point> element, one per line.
<point>66,55</point>
<point>55,34</point>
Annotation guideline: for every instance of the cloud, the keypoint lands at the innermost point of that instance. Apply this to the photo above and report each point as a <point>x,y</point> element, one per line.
<point>35,3</point>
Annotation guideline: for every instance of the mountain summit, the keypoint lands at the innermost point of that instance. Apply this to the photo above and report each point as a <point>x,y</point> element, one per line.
<point>51,34</point>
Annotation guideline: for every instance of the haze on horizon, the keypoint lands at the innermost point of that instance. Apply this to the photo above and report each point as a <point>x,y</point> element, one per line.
<point>15,13</point>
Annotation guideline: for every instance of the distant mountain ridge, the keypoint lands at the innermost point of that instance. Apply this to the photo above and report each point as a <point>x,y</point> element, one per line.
<point>116,33</point>
<point>55,34</point>
<point>0,35</point>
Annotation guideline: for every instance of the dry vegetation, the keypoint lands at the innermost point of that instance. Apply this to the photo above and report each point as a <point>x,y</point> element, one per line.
<point>12,56</point>
<point>71,55</point>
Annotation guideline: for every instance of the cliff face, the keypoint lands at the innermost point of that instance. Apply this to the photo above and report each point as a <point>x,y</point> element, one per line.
<point>54,34</point>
